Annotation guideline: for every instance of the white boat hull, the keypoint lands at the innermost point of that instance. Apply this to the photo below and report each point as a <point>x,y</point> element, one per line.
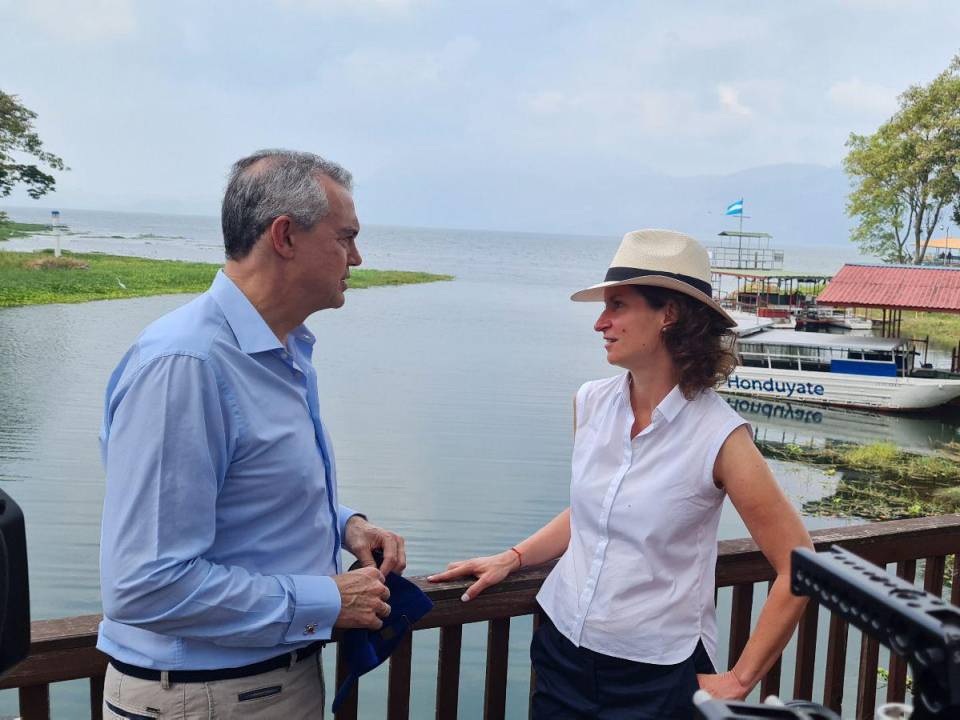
<point>841,389</point>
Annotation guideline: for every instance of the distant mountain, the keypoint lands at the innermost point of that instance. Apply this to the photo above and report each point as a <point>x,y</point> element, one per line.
<point>797,204</point>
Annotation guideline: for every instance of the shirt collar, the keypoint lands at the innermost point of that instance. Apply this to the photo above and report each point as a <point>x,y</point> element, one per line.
<point>672,404</point>
<point>669,407</point>
<point>251,330</point>
<point>301,333</point>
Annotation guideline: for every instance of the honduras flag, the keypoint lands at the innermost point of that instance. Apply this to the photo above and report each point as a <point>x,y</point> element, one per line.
<point>735,208</point>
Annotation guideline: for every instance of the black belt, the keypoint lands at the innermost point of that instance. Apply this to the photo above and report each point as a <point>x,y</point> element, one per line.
<point>196,676</point>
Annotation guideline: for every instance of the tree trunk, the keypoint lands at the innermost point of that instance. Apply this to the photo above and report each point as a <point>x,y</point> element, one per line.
<point>921,206</point>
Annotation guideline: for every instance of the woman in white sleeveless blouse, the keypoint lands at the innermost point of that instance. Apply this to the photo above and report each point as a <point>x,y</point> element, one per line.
<point>631,629</point>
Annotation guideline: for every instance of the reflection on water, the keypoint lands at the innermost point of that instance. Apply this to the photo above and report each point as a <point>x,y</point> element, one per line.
<point>449,405</point>
<point>801,424</point>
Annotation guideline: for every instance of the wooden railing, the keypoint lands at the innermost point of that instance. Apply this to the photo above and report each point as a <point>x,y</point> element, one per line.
<point>64,649</point>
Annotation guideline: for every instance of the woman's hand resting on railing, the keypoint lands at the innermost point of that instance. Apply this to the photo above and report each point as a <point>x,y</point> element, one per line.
<point>723,686</point>
<point>488,571</point>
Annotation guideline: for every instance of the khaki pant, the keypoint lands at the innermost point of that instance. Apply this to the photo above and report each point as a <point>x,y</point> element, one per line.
<point>286,694</point>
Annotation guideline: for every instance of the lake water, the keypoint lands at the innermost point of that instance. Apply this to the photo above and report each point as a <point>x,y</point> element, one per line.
<point>449,405</point>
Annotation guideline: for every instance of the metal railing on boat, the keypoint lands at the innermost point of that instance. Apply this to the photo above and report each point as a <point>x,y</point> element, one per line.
<point>922,550</point>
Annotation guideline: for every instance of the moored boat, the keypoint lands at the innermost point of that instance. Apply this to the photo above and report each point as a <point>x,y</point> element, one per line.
<point>825,319</point>
<point>841,370</point>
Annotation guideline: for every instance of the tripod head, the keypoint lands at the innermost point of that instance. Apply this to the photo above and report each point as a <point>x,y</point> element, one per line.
<point>914,624</point>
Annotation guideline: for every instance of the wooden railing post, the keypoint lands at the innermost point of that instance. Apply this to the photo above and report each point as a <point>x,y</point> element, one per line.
<point>867,680</point>
<point>35,702</point>
<point>836,663</point>
<point>770,685</point>
<point>498,648</point>
<point>537,621</point>
<point>806,652</point>
<point>741,612</point>
<point>448,671</point>
<point>347,711</point>
<point>398,685</point>
<point>933,571</point>
<point>955,582</point>
<point>897,681</point>
<point>96,697</point>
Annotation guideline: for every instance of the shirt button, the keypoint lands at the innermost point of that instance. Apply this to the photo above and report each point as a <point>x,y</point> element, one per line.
<point>310,629</point>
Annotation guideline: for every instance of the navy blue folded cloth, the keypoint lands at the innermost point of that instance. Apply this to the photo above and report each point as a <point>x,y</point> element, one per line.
<point>364,650</point>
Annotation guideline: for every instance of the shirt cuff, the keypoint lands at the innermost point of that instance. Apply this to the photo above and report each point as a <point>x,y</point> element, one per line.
<point>344,514</point>
<point>317,606</point>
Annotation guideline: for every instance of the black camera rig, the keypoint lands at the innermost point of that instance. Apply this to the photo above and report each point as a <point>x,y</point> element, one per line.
<point>14,593</point>
<point>914,624</point>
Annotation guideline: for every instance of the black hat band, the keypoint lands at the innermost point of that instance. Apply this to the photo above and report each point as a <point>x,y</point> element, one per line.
<point>619,274</point>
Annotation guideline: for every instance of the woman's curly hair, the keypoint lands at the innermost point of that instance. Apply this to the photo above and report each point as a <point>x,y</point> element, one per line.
<point>699,342</point>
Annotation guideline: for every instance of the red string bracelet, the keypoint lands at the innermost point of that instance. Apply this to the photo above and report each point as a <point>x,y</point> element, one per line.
<point>519,556</point>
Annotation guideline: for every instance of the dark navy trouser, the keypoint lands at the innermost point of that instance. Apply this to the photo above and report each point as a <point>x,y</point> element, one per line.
<point>580,684</point>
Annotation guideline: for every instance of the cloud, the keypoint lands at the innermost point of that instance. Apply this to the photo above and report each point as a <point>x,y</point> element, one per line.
<point>546,102</point>
<point>697,30</point>
<point>863,97</point>
<point>885,5</point>
<point>372,71</point>
<point>730,100</point>
<point>89,20</point>
<point>369,9</point>
<point>529,89</point>
<point>651,110</point>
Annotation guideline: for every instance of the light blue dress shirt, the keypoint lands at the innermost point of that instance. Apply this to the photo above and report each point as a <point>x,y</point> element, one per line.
<point>221,526</point>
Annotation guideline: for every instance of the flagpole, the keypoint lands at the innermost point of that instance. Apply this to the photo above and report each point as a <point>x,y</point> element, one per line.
<point>740,245</point>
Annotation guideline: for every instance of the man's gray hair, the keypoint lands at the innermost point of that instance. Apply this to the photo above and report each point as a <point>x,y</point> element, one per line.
<point>271,183</point>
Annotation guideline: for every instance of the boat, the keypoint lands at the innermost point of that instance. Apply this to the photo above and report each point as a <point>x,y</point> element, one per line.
<point>787,297</point>
<point>828,319</point>
<point>840,370</point>
<point>749,324</point>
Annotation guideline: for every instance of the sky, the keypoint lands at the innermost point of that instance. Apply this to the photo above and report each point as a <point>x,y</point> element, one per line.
<point>558,116</point>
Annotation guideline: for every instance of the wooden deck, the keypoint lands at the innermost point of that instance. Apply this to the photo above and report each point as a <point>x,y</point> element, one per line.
<point>64,649</point>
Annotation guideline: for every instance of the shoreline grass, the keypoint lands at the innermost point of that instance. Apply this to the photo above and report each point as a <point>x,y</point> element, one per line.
<point>15,229</point>
<point>943,329</point>
<point>37,278</point>
<point>879,481</point>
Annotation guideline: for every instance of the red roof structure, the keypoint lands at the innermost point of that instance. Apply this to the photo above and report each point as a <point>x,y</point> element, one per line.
<point>894,287</point>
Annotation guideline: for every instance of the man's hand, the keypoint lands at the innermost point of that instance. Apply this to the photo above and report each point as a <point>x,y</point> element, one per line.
<point>361,538</point>
<point>362,599</point>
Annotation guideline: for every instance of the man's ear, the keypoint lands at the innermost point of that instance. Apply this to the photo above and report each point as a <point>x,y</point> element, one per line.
<point>280,235</point>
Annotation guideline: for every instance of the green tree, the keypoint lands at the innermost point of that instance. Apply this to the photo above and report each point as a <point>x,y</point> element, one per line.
<point>905,175</point>
<point>18,140</point>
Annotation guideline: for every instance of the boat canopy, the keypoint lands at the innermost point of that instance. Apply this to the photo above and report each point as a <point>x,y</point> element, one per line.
<point>760,274</point>
<point>748,323</point>
<point>793,338</point>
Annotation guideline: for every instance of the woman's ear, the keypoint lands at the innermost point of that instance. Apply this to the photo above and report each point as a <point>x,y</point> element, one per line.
<point>670,315</point>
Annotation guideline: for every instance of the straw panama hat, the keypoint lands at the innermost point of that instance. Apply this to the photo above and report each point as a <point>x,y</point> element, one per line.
<point>662,258</point>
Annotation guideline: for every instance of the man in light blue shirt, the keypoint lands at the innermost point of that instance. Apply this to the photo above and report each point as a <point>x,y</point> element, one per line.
<point>220,548</point>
